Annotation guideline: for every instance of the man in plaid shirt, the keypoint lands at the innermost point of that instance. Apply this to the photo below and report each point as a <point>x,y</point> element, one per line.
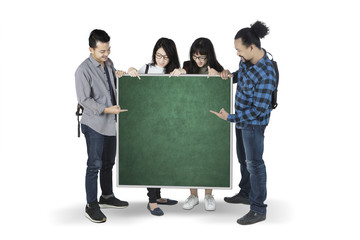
<point>255,83</point>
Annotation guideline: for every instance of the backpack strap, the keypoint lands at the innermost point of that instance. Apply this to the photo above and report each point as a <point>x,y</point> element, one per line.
<point>78,113</point>
<point>274,103</point>
<point>147,69</point>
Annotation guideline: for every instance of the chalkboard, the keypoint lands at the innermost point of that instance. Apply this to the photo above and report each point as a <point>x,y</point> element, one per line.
<point>169,138</point>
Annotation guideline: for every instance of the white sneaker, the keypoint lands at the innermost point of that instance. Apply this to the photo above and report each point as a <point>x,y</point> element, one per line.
<point>209,203</point>
<point>190,202</point>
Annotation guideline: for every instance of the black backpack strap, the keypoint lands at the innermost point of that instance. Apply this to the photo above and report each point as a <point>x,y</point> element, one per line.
<point>78,113</point>
<point>274,103</point>
<point>147,69</point>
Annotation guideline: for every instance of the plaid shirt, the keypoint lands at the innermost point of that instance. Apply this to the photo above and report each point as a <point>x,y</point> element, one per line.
<point>253,94</point>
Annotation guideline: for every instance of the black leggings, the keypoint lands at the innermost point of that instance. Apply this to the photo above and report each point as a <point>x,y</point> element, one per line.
<point>153,194</point>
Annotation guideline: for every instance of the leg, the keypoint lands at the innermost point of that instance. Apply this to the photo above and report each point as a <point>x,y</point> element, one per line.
<point>245,187</point>
<point>194,191</point>
<point>108,159</point>
<point>95,143</point>
<point>152,195</point>
<point>208,191</point>
<point>152,206</point>
<point>253,138</point>
<point>245,175</point>
<point>158,193</point>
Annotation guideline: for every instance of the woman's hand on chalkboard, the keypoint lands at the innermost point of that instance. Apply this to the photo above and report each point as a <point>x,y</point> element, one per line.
<point>177,72</point>
<point>225,74</point>
<point>222,114</point>
<point>212,72</point>
<point>133,72</point>
<point>114,110</point>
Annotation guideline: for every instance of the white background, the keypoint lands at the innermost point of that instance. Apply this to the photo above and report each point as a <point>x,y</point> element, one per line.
<point>311,148</point>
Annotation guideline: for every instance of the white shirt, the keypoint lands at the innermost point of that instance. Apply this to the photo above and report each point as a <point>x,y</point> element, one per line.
<point>152,69</point>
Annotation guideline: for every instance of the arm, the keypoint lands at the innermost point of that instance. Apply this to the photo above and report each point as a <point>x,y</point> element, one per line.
<point>262,100</point>
<point>83,91</point>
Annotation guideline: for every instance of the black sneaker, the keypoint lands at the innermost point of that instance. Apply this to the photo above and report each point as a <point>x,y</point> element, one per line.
<point>237,199</point>
<point>94,214</point>
<point>251,218</point>
<point>112,202</point>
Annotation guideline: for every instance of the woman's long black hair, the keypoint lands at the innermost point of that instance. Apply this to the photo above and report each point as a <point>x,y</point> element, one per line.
<point>203,46</point>
<point>170,49</point>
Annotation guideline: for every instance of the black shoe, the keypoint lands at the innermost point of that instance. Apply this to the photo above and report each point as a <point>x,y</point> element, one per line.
<point>156,211</point>
<point>251,218</point>
<point>112,202</point>
<point>168,202</point>
<point>237,199</point>
<point>94,214</point>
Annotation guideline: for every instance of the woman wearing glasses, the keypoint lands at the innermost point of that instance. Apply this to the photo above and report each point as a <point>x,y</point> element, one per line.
<point>202,61</point>
<point>165,60</point>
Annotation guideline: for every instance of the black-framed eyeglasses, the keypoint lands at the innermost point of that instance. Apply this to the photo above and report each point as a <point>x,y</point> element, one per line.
<point>201,59</point>
<point>160,56</point>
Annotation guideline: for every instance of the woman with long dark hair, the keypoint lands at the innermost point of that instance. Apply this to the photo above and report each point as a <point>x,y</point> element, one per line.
<point>165,60</point>
<point>202,61</point>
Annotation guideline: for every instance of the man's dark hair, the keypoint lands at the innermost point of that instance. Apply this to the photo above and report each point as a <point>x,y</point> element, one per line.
<point>253,34</point>
<point>98,35</point>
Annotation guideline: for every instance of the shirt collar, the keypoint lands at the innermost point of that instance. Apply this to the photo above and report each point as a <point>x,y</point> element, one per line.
<point>260,63</point>
<point>96,63</point>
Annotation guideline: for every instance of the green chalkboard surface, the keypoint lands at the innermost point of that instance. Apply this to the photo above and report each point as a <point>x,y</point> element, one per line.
<point>169,138</point>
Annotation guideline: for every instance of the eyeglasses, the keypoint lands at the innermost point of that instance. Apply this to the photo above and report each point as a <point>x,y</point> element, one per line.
<point>160,56</point>
<point>201,59</point>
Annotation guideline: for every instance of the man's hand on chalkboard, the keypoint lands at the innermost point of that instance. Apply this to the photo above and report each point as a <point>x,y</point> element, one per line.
<point>133,72</point>
<point>225,74</point>
<point>222,114</point>
<point>177,72</point>
<point>114,110</point>
<point>119,73</point>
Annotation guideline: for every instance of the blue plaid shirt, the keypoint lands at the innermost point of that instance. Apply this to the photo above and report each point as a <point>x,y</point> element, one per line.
<point>253,94</point>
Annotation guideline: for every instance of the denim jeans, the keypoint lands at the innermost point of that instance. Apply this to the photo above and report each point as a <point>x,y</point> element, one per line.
<point>250,148</point>
<point>101,151</point>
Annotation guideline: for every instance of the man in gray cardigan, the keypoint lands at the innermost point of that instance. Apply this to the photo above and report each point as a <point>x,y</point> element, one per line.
<point>95,89</point>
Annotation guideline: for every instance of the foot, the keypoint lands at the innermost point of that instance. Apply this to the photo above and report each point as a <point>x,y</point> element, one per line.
<point>94,214</point>
<point>190,202</point>
<point>112,202</point>
<point>166,201</point>
<point>209,203</point>
<point>251,218</point>
<point>154,210</point>
<point>237,199</point>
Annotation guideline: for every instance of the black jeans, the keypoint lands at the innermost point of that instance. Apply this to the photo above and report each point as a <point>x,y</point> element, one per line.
<point>153,194</point>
